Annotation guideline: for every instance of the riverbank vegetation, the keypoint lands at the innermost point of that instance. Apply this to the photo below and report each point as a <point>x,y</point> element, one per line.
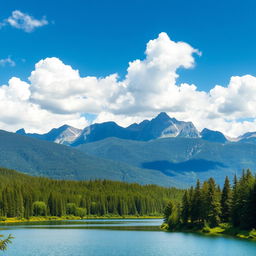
<point>207,208</point>
<point>24,197</point>
<point>16,220</point>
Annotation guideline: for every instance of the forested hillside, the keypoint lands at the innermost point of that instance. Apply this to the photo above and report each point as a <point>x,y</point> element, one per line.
<point>24,196</point>
<point>42,158</point>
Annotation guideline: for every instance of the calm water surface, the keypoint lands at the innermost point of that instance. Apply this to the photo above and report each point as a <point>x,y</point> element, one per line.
<point>117,238</point>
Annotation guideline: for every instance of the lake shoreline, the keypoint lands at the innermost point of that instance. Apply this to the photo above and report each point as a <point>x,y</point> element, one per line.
<point>54,218</point>
<point>221,230</point>
<point>110,237</point>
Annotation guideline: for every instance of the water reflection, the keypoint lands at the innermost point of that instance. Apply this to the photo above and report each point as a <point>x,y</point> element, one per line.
<point>116,238</point>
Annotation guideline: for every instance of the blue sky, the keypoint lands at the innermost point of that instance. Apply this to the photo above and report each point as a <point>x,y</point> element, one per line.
<point>102,38</point>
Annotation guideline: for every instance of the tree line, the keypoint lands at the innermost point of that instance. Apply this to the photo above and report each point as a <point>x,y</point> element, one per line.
<point>208,204</point>
<point>25,196</point>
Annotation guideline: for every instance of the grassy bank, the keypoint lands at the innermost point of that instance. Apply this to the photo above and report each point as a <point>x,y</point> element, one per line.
<point>227,229</point>
<point>70,217</point>
<point>222,229</point>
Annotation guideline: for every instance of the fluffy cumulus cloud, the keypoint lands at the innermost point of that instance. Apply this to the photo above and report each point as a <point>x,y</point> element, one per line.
<point>56,94</point>
<point>17,110</point>
<point>23,21</point>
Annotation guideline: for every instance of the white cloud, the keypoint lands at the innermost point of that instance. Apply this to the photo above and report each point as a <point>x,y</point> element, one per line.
<point>18,111</point>
<point>147,87</point>
<point>60,89</point>
<point>57,94</point>
<point>23,21</point>
<point>7,62</point>
<point>238,100</point>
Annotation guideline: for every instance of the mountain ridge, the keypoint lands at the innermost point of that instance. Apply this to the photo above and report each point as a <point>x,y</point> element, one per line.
<point>42,158</point>
<point>61,135</point>
<point>163,148</point>
<point>184,159</point>
<point>159,127</point>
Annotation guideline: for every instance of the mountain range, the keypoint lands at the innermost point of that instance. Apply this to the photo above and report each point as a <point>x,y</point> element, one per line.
<point>62,135</point>
<point>162,126</point>
<point>163,151</point>
<point>42,158</point>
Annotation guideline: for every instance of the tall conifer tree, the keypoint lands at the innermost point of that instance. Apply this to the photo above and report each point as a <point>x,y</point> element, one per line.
<point>226,201</point>
<point>213,204</point>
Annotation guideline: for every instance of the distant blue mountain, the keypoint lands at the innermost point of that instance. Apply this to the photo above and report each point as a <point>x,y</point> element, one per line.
<point>213,136</point>
<point>62,135</point>
<point>183,159</point>
<point>101,131</point>
<point>161,126</point>
<point>164,147</point>
<point>249,137</point>
<point>43,158</point>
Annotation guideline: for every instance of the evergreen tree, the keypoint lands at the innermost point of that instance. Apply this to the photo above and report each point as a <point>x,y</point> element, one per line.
<point>168,211</point>
<point>20,194</point>
<point>39,208</point>
<point>226,200</point>
<point>25,196</point>
<point>245,186</point>
<point>185,210</point>
<point>196,204</point>
<point>235,207</point>
<point>214,209</point>
<point>71,209</point>
<point>172,214</point>
<point>205,206</point>
<point>28,206</point>
<point>174,218</point>
<point>252,208</point>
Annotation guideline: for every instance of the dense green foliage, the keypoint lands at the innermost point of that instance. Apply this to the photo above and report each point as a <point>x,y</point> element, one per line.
<point>25,196</point>
<point>207,205</point>
<point>42,158</point>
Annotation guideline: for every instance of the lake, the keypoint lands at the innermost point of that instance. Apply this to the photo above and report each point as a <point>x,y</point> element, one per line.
<point>129,237</point>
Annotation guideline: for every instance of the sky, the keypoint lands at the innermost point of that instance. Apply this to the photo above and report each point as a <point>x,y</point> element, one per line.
<point>79,62</point>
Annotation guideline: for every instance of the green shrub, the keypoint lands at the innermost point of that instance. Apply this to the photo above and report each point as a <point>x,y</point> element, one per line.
<point>81,212</point>
<point>71,209</point>
<point>39,208</point>
<point>252,234</point>
<point>206,228</point>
